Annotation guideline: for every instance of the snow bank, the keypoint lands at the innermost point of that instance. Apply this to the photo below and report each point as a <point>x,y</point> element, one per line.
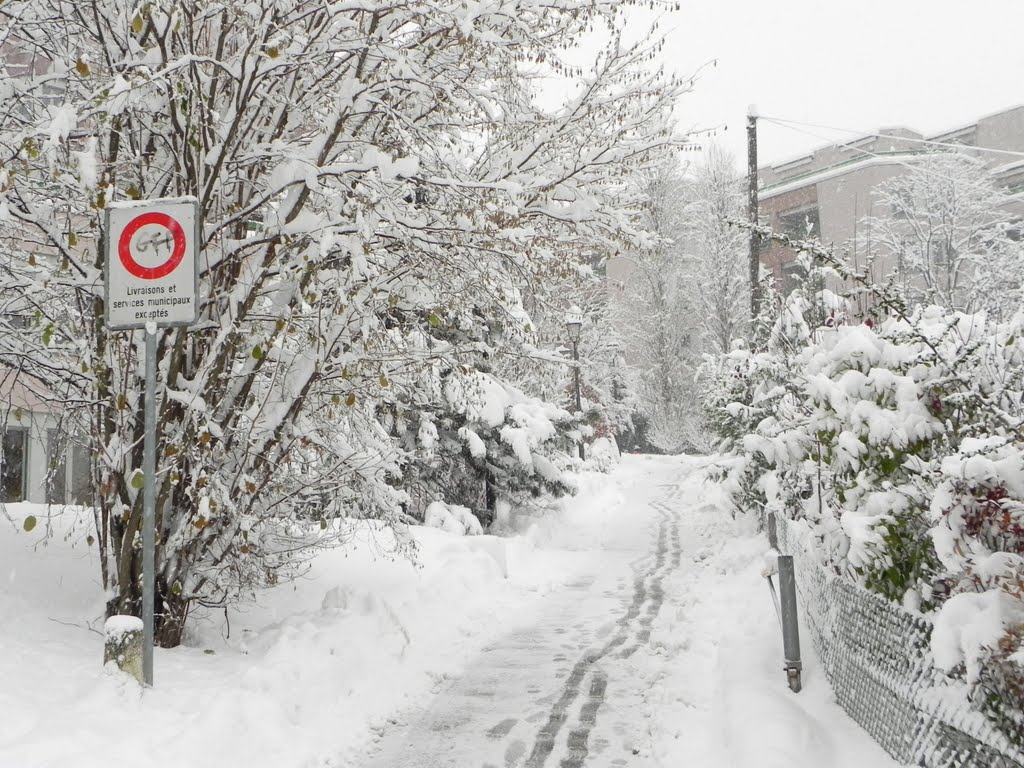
<point>309,676</point>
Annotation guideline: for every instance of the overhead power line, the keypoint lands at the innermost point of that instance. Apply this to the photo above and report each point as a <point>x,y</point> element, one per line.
<point>868,134</point>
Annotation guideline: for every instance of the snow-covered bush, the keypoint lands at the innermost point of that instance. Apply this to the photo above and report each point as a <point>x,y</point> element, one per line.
<point>604,454</point>
<point>978,511</point>
<point>873,438</point>
<point>452,518</point>
<point>748,393</point>
<point>491,443</point>
<point>900,443</point>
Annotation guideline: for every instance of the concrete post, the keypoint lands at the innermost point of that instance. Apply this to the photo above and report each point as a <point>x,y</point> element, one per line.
<point>123,644</point>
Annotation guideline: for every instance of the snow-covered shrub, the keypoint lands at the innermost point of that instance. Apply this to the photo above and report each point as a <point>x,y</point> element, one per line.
<point>489,443</point>
<point>452,518</point>
<point>874,438</point>
<point>749,398</point>
<point>979,537</point>
<point>604,454</point>
<point>847,425</point>
<point>727,381</point>
<point>901,444</point>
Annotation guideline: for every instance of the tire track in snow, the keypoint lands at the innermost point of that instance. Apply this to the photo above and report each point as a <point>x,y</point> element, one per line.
<point>670,548</point>
<point>633,631</point>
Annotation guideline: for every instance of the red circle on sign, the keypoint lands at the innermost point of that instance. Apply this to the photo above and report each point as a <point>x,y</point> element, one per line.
<point>160,270</point>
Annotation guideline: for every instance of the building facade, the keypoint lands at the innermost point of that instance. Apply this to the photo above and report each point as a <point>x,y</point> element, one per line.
<point>825,195</point>
<point>39,461</point>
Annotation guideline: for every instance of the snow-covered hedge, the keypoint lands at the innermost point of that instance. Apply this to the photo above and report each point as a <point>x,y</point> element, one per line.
<point>901,445</point>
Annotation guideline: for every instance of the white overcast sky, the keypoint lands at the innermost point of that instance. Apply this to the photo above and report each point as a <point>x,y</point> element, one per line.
<point>927,65</point>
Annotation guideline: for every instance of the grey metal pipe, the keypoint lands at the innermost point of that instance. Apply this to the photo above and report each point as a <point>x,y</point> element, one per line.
<point>790,626</point>
<point>149,505</point>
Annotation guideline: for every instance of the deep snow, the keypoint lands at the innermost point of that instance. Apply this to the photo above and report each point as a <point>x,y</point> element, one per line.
<point>333,669</point>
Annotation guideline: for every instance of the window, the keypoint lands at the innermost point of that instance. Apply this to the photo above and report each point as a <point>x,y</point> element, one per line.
<point>58,490</point>
<point>19,322</point>
<point>801,225</point>
<point>13,464</point>
<point>81,476</point>
<point>793,276</point>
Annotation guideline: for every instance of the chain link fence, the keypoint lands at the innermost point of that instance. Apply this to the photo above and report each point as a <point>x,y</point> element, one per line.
<point>878,660</point>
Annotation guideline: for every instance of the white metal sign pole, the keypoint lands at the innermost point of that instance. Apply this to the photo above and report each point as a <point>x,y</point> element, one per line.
<point>149,506</point>
<point>152,280</point>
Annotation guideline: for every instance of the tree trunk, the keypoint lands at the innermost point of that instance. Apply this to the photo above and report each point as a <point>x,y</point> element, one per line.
<point>169,611</point>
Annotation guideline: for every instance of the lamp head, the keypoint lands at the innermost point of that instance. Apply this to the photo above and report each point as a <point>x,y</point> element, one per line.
<point>574,322</point>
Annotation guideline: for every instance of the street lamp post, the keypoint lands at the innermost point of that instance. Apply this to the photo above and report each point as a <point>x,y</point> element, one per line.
<point>613,346</point>
<point>573,326</point>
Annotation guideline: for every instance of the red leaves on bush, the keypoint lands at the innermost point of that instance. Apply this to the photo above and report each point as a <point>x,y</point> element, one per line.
<point>991,520</point>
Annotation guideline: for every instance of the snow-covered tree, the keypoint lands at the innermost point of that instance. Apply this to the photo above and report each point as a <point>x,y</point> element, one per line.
<point>656,316</point>
<point>718,252</point>
<point>375,182</point>
<point>688,295</point>
<point>605,384</point>
<point>945,235</point>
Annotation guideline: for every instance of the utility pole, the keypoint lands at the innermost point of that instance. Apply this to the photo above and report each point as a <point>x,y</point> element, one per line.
<point>755,238</point>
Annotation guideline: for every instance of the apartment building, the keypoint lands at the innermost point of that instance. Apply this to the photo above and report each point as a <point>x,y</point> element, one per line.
<point>827,193</point>
<point>38,460</point>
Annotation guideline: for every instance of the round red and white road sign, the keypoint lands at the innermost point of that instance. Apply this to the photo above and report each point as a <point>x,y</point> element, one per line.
<point>154,232</point>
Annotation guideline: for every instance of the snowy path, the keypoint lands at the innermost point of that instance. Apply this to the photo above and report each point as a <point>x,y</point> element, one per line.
<point>608,672</point>
<point>533,697</point>
<point>629,627</point>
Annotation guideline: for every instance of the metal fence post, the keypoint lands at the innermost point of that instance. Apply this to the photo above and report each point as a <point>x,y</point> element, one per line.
<point>773,531</point>
<point>790,629</point>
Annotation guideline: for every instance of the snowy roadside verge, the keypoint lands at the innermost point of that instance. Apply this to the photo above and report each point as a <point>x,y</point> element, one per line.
<point>709,691</point>
<point>307,677</point>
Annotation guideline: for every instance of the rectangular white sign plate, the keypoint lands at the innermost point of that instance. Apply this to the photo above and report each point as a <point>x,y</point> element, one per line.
<point>152,263</point>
